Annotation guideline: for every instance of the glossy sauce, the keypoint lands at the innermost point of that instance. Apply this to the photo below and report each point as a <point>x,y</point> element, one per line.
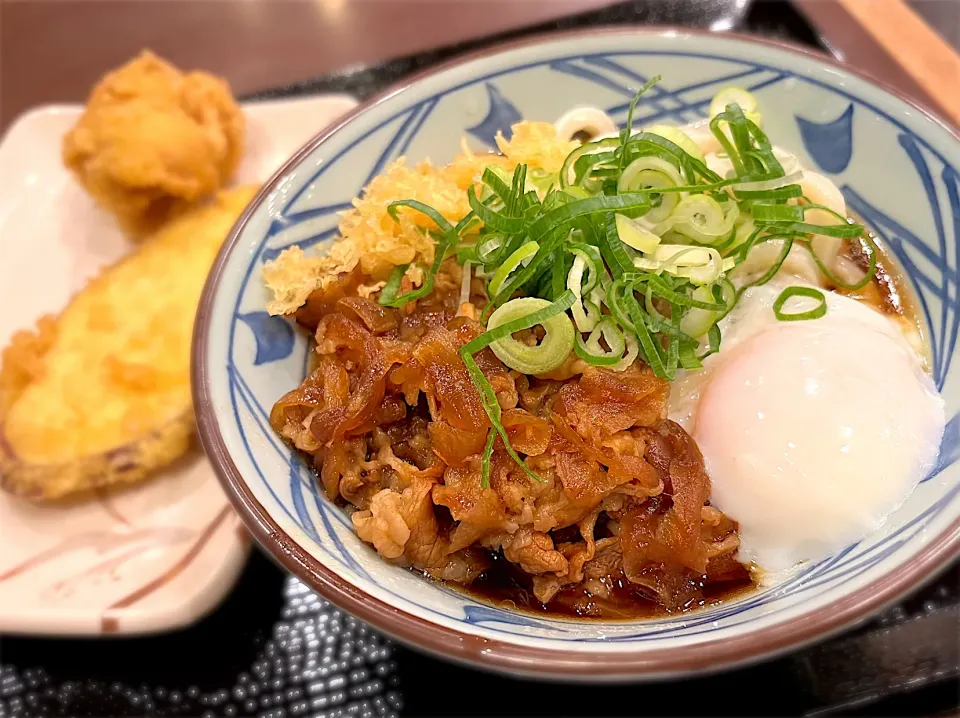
<point>613,597</point>
<point>506,586</point>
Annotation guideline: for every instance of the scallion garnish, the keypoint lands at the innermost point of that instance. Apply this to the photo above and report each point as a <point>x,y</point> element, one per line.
<point>388,295</point>
<point>540,358</point>
<point>871,251</point>
<point>487,396</point>
<point>625,253</point>
<point>797,291</point>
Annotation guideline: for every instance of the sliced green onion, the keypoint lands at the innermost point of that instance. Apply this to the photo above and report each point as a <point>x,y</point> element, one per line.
<point>466,224</point>
<point>788,240</point>
<point>763,212</point>
<point>797,291</point>
<point>635,235</point>
<point>495,178</point>
<point>558,277</point>
<point>650,350</point>
<point>746,145</point>
<point>492,408</point>
<point>467,252</point>
<point>791,218</point>
<point>613,301</point>
<point>871,252</point>
<point>659,324</point>
<point>651,174</point>
<point>732,96</point>
<point>627,130</point>
<point>550,353</point>
<point>465,279</point>
<point>701,265</point>
<point>514,205</point>
<point>530,204</point>
<point>683,255</point>
<point>672,360</point>
<point>567,174</point>
<point>388,295</point>
<point>646,143</point>
<point>662,289</point>
<point>571,193</point>
<point>487,249</point>
<point>633,351</point>
<point>592,169</point>
<point>591,265</point>
<point>586,315</point>
<point>521,256</point>
<point>556,198</point>
<point>655,320</point>
<point>744,228</point>
<point>497,221</point>
<point>688,357</point>
<point>438,219</point>
<point>630,178</point>
<point>735,96</point>
<point>702,219</point>
<point>637,226</point>
<point>843,231</point>
<point>636,202</point>
<point>724,138</point>
<point>789,191</point>
<point>697,322</point>
<point>541,181</point>
<point>713,342</point>
<point>552,228</point>
<point>611,247</point>
<point>558,306</point>
<point>487,454</point>
<point>762,150</point>
<point>768,184</point>
<point>587,261</point>
<point>487,396</point>
<point>678,137</point>
<point>591,350</point>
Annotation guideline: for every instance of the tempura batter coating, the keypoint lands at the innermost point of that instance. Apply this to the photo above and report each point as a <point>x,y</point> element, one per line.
<point>101,393</point>
<point>153,139</point>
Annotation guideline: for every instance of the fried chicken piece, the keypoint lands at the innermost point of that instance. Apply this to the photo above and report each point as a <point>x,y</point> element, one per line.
<point>100,394</point>
<point>153,139</point>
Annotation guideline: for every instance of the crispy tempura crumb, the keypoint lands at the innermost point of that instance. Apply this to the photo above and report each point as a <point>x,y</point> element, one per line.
<point>293,276</point>
<point>368,290</point>
<point>536,145</point>
<point>372,239</point>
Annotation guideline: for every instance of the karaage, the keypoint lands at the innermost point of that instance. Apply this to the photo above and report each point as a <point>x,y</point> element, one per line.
<point>153,139</point>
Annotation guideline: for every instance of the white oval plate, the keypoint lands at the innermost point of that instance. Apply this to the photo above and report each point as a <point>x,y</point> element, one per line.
<point>164,553</point>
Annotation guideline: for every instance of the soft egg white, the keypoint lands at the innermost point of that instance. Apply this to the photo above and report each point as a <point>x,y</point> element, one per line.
<point>813,432</point>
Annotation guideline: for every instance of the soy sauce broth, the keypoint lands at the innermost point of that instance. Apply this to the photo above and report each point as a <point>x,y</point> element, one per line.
<point>510,588</point>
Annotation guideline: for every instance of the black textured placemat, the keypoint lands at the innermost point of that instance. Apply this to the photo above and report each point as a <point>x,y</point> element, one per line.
<point>274,649</point>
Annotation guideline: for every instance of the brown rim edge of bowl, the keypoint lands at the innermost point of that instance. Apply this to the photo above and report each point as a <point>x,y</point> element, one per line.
<point>490,653</point>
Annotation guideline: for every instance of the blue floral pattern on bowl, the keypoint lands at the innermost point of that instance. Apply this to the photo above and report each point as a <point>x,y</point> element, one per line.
<point>896,167</point>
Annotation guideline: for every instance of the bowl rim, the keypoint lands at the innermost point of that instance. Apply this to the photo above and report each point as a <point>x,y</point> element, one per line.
<point>452,644</point>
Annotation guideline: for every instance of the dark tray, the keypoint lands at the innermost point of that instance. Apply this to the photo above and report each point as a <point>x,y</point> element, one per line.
<point>274,649</point>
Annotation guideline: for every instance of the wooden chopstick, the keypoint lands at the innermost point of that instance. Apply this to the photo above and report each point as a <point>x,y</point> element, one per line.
<point>920,51</point>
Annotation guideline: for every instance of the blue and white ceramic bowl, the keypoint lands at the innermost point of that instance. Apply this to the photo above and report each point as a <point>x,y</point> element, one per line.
<point>897,168</point>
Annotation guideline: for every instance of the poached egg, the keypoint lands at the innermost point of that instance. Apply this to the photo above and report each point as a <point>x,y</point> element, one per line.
<point>813,432</point>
